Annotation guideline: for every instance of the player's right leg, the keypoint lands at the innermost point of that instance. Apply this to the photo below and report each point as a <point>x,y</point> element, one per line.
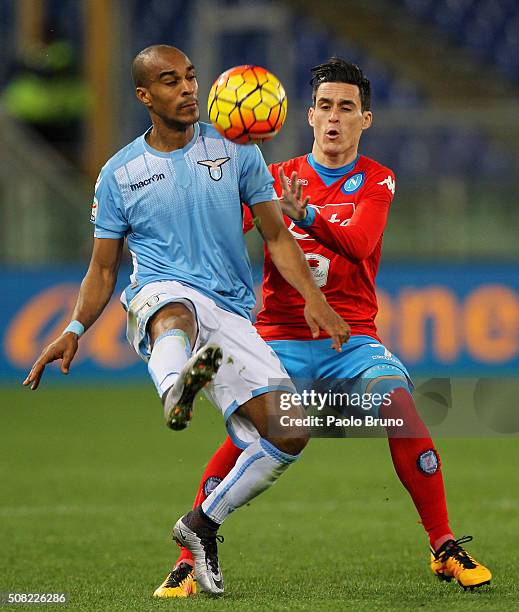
<point>258,467</point>
<point>179,583</point>
<point>219,465</point>
<point>296,358</point>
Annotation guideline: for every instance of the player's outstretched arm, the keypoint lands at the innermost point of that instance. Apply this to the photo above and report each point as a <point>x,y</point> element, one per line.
<point>95,291</point>
<point>291,263</point>
<point>355,240</point>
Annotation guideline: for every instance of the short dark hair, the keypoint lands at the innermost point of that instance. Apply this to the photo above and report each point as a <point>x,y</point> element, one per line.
<point>140,64</point>
<point>140,76</point>
<point>338,70</point>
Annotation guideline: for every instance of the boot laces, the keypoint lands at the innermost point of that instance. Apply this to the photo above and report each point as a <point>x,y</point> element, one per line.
<point>178,574</point>
<point>455,551</point>
<point>211,550</point>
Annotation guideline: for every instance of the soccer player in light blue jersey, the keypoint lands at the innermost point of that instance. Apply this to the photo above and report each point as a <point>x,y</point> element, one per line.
<point>175,195</point>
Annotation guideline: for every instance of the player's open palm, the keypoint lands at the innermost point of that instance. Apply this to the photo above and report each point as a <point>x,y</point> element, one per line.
<point>320,315</point>
<point>64,348</point>
<point>292,202</point>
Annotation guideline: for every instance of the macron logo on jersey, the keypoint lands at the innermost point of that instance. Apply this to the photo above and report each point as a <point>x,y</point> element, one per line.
<point>152,179</point>
<point>390,184</point>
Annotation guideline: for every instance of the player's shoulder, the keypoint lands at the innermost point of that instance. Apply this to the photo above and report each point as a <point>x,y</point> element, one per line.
<point>208,131</point>
<point>375,174</point>
<point>372,168</point>
<point>128,153</point>
<point>290,165</point>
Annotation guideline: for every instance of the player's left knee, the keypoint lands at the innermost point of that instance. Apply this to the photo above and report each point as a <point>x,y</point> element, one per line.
<point>294,433</point>
<point>377,386</point>
<point>386,381</point>
<point>292,444</point>
<point>173,316</point>
<point>279,421</point>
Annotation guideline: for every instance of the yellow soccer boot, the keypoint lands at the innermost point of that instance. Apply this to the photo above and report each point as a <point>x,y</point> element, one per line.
<point>451,560</point>
<point>180,582</point>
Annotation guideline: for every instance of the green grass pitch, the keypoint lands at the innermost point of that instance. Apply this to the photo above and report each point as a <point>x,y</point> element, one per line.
<point>92,482</point>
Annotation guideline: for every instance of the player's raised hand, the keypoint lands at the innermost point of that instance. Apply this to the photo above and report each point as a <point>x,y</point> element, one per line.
<point>63,348</point>
<point>291,201</point>
<point>320,315</point>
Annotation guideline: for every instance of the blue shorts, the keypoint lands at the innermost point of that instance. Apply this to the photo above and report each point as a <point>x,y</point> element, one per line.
<point>308,362</point>
<point>316,359</point>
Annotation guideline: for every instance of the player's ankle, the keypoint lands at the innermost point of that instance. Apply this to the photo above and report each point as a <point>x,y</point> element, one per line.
<point>439,542</point>
<point>198,519</point>
<point>188,560</point>
<point>184,557</point>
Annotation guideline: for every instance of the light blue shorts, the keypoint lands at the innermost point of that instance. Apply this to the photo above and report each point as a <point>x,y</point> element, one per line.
<point>313,364</point>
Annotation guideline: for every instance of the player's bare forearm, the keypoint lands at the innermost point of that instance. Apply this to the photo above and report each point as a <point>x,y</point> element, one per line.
<point>292,265</point>
<point>95,292</point>
<point>99,282</point>
<point>284,250</point>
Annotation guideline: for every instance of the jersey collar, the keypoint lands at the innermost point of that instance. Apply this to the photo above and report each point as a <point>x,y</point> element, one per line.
<point>330,175</point>
<point>176,152</point>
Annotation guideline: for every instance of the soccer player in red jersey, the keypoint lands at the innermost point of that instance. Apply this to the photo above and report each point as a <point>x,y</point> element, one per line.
<point>339,225</point>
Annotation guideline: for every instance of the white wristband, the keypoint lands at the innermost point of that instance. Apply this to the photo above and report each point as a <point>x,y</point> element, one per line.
<point>76,328</point>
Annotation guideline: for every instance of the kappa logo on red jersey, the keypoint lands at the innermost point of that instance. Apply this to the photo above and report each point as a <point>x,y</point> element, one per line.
<point>390,183</point>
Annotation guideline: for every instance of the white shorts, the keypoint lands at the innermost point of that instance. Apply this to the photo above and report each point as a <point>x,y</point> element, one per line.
<point>249,366</point>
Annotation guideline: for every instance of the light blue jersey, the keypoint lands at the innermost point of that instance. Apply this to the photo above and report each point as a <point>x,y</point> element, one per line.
<point>181,213</point>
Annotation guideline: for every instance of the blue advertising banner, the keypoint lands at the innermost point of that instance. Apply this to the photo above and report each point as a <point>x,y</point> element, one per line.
<point>440,320</point>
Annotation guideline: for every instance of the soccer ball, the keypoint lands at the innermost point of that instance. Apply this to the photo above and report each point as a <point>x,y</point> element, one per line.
<point>247,104</point>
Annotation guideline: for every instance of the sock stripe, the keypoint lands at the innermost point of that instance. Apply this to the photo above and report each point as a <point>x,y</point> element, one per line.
<point>240,473</point>
<point>277,454</point>
<point>180,334</point>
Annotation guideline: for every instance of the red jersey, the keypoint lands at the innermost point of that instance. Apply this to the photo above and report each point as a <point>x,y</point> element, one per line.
<point>342,245</point>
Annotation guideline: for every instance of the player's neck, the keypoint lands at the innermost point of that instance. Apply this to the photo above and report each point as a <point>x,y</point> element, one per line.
<point>333,161</point>
<point>165,138</point>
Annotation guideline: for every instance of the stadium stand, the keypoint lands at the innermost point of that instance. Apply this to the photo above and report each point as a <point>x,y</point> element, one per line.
<point>489,28</point>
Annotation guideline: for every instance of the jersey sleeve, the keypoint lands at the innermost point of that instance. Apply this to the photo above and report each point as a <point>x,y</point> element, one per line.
<point>255,179</point>
<point>108,214</point>
<point>358,239</point>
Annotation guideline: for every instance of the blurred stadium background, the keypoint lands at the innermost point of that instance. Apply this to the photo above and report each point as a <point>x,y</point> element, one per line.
<point>445,77</point>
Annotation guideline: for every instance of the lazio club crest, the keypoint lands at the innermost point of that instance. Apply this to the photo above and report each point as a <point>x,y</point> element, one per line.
<point>214,166</point>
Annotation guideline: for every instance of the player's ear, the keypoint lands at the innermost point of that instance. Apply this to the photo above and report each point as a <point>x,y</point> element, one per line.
<point>311,116</point>
<point>143,96</point>
<point>367,119</point>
